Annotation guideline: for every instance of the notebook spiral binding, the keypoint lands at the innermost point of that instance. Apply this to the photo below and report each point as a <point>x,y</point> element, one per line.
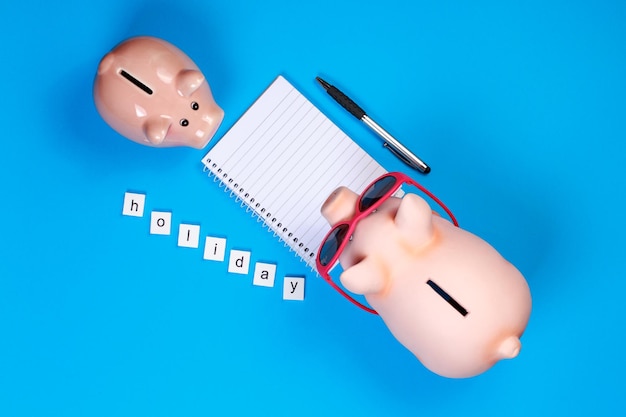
<point>222,183</point>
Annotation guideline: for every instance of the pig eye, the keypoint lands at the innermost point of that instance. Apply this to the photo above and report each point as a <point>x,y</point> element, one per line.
<point>184,122</point>
<point>194,105</point>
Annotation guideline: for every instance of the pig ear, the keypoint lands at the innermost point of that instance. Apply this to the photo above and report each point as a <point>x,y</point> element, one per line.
<point>366,277</point>
<point>156,128</point>
<point>339,206</point>
<point>106,63</point>
<point>414,220</point>
<point>188,81</point>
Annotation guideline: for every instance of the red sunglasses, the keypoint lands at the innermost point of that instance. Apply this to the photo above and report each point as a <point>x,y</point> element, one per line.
<point>369,200</point>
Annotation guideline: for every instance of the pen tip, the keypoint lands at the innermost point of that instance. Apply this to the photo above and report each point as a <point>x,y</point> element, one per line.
<point>323,83</point>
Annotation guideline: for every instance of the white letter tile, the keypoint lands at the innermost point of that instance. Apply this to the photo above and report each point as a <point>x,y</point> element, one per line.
<point>264,274</point>
<point>293,288</point>
<point>239,262</point>
<point>214,248</point>
<point>160,223</point>
<point>133,204</point>
<point>188,235</point>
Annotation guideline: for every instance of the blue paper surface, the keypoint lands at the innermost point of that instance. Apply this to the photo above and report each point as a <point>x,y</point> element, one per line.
<point>518,107</point>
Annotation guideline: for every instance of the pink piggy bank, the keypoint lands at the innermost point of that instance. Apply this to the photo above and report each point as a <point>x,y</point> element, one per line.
<point>444,293</point>
<point>152,93</point>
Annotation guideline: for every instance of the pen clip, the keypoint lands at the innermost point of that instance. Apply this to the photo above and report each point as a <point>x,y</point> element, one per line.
<point>401,156</point>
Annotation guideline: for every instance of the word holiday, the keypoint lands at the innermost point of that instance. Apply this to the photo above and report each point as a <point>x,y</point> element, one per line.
<point>214,248</point>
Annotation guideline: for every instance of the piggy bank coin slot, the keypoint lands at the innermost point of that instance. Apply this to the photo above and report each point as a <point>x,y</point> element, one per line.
<point>136,82</point>
<point>443,294</point>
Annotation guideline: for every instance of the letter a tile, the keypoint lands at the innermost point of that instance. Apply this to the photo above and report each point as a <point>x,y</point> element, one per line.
<point>264,274</point>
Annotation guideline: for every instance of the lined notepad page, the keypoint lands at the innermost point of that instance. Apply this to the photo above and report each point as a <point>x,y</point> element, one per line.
<point>283,158</point>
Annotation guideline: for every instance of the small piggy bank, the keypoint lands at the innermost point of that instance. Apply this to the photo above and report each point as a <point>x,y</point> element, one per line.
<point>444,293</point>
<point>152,93</point>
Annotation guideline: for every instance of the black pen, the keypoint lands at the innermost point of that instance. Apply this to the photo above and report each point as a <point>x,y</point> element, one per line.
<point>390,142</point>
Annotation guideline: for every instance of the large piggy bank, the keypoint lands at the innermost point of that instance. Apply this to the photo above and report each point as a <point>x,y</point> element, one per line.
<point>152,93</point>
<point>444,293</point>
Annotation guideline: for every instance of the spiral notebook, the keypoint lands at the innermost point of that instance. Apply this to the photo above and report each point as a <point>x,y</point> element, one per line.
<point>282,159</point>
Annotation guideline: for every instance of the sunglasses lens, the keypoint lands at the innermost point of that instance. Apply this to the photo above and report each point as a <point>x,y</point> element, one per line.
<point>375,192</point>
<point>332,243</point>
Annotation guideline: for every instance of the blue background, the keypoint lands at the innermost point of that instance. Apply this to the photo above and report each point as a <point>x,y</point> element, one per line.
<point>519,107</point>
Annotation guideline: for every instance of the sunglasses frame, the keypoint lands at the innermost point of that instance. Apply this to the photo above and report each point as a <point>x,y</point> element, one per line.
<point>401,179</point>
